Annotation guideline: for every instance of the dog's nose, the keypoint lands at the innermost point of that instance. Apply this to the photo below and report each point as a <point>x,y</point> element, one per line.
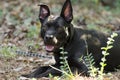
<point>49,37</point>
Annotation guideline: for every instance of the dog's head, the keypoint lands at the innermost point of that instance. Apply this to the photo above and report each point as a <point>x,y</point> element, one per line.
<point>56,31</point>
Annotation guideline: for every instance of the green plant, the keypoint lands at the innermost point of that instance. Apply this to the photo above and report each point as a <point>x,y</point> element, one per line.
<point>7,51</point>
<point>64,68</point>
<point>89,60</point>
<point>53,78</point>
<point>63,61</point>
<point>105,54</point>
<point>33,32</point>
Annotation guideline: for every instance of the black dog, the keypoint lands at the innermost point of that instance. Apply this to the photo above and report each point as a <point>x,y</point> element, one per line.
<point>59,32</point>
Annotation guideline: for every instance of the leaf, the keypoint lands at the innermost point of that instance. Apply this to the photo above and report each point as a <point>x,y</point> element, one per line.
<point>109,42</point>
<point>103,52</point>
<point>109,47</point>
<point>110,39</point>
<point>102,64</point>
<point>103,59</point>
<point>114,35</point>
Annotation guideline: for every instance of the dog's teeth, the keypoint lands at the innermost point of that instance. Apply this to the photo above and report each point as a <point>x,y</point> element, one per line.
<point>55,40</point>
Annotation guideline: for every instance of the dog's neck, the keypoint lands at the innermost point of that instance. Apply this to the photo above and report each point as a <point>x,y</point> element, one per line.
<point>70,37</point>
<point>71,33</point>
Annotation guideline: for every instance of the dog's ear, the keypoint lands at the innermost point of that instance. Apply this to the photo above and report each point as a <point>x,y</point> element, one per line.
<point>44,12</point>
<point>67,11</point>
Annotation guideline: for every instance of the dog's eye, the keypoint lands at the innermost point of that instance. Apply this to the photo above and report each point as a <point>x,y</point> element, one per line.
<point>60,29</point>
<point>44,27</point>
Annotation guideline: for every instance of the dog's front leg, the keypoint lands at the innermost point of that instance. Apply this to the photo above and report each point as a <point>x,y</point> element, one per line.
<point>78,64</point>
<point>37,72</point>
<point>81,67</point>
<point>53,71</point>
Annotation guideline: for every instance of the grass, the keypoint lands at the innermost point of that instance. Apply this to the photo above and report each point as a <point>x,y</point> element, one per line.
<point>33,32</point>
<point>8,51</point>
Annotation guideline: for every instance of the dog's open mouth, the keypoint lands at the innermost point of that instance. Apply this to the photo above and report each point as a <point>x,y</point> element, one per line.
<point>49,47</point>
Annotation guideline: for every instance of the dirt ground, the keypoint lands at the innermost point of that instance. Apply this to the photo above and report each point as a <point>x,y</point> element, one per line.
<point>19,26</point>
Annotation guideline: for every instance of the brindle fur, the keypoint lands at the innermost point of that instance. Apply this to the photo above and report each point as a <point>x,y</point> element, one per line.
<point>74,42</point>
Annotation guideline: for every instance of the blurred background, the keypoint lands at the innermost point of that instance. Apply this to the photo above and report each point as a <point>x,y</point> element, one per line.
<point>18,16</point>
<point>19,26</point>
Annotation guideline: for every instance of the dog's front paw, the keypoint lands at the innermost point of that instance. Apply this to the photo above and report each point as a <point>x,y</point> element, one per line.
<point>28,76</point>
<point>24,78</point>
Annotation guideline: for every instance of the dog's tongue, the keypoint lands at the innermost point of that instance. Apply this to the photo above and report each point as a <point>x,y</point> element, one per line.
<point>49,47</point>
